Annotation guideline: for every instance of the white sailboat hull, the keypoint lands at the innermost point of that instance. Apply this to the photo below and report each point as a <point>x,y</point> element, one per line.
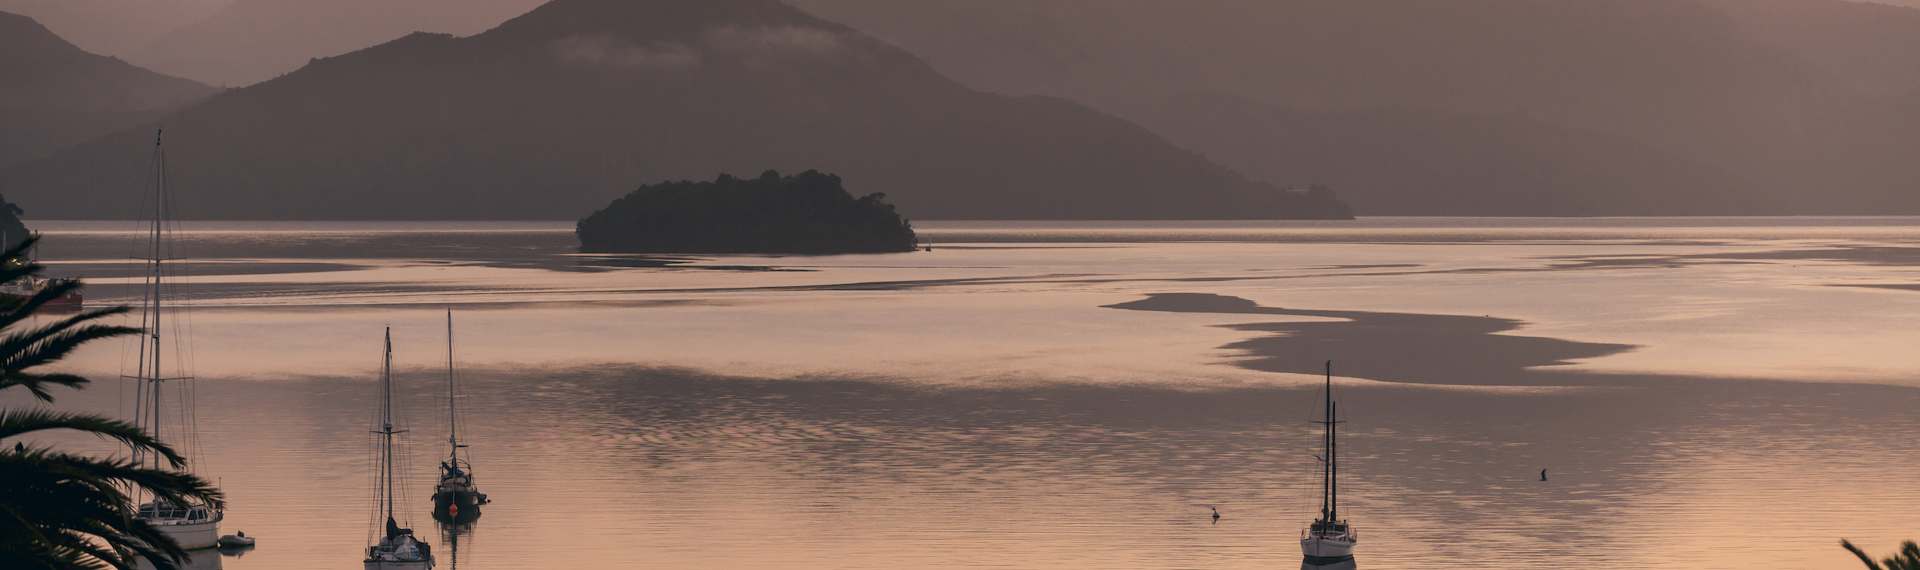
<point>1333,548</point>
<point>191,535</point>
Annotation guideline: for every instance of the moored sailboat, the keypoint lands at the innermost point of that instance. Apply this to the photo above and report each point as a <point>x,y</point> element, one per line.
<point>193,525</point>
<point>455,498</point>
<point>29,285</point>
<point>1329,538</point>
<point>396,549</point>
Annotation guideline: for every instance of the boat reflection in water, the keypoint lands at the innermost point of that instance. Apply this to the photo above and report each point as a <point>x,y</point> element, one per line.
<point>1341,565</point>
<point>450,534</point>
<point>204,559</point>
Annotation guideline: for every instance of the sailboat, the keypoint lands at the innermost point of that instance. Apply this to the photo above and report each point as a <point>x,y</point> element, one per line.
<point>194,525</point>
<point>396,549</point>
<point>1329,538</point>
<point>455,498</point>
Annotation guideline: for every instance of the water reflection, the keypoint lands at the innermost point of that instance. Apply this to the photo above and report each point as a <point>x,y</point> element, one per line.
<point>205,559</point>
<point>609,464</point>
<point>799,419</point>
<point>1347,564</point>
<point>450,539</point>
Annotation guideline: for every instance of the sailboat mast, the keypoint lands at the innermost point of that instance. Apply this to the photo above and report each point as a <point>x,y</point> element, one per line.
<point>453,417</point>
<point>150,367</point>
<point>1333,464</point>
<point>386,422</point>
<point>1326,463</point>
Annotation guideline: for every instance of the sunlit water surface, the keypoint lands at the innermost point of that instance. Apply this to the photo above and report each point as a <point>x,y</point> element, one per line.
<point>1705,392</point>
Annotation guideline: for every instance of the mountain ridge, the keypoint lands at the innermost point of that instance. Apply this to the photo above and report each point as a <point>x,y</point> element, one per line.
<point>1760,91</point>
<point>558,111</point>
<point>53,94</point>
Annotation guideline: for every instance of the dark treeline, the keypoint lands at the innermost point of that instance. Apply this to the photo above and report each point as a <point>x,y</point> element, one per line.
<point>805,213</point>
<point>12,230</point>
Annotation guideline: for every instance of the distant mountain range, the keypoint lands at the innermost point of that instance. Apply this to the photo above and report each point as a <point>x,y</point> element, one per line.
<point>1786,106</point>
<point>250,41</point>
<point>554,113</point>
<point>54,95</point>
<point>113,27</point>
<point>1406,107</point>
<point>1414,162</point>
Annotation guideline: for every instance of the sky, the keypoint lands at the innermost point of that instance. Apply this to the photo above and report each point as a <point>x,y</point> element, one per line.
<point>125,27</point>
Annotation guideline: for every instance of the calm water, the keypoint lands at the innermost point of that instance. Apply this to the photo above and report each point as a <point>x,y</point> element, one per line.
<point>1706,392</point>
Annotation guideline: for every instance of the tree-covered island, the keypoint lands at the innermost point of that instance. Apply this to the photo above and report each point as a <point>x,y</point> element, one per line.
<point>805,213</point>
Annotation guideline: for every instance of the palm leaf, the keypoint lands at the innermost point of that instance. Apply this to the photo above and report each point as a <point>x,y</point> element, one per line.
<point>66,512</point>
<point>54,500</point>
<point>16,422</point>
<point>1908,558</point>
<point>50,343</point>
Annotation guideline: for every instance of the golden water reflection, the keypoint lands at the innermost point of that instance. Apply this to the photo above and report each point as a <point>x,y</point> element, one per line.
<point>984,406</point>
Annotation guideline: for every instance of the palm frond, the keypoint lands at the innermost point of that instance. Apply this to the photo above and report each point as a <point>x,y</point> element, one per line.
<point>10,271</point>
<point>57,345</point>
<point>16,422</point>
<point>56,504</point>
<point>49,290</point>
<point>31,338</point>
<point>61,511</point>
<point>48,344</point>
<point>17,341</point>
<point>108,476</point>
<point>1908,558</point>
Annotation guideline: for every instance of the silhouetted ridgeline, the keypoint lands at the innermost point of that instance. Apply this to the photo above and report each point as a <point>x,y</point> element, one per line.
<point>53,95</point>
<point>1482,107</point>
<point>561,110</point>
<point>807,213</point>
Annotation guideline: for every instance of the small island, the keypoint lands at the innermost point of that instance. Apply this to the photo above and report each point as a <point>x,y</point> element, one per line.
<point>805,213</point>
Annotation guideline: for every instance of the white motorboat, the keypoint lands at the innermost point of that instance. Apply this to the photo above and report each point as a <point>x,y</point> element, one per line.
<point>397,549</point>
<point>194,526</point>
<point>1329,539</point>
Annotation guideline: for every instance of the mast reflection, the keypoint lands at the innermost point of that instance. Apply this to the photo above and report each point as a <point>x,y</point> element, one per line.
<point>450,534</point>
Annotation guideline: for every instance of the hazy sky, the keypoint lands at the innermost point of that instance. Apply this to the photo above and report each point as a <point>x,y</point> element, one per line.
<point>125,27</point>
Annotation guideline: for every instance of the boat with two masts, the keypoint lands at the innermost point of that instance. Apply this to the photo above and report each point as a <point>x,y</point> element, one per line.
<point>1329,539</point>
<point>396,549</point>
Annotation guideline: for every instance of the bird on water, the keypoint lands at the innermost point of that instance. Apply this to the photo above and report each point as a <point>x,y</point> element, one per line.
<point>1216,515</point>
<point>1543,474</point>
